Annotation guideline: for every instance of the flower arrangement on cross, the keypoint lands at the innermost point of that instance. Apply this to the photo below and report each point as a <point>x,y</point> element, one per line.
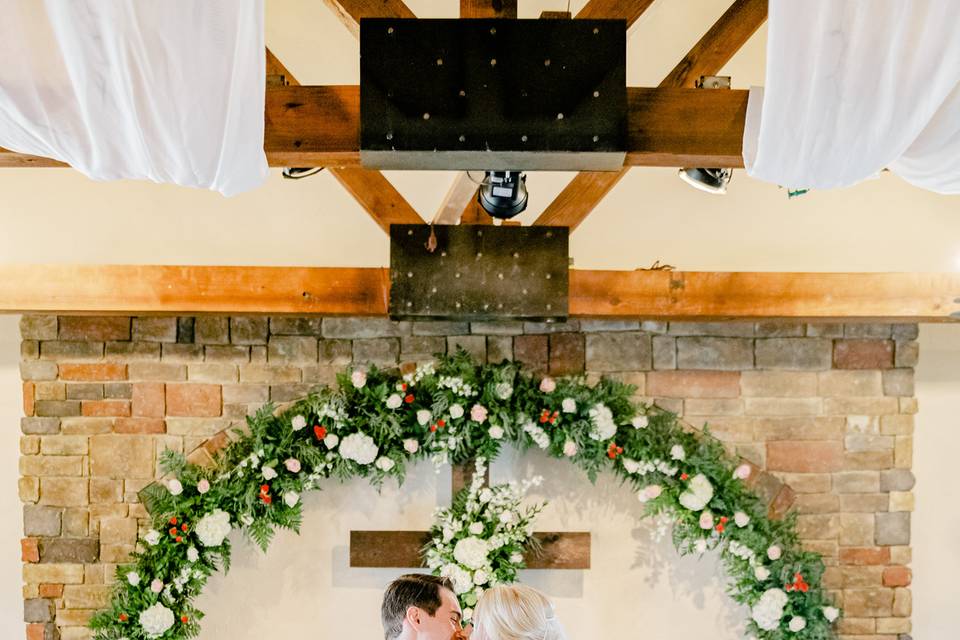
<point>375,423</point>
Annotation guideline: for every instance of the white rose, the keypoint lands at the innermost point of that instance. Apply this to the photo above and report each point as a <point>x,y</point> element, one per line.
<point>448,534</point>
<point>677,452</point>
<point>480,577</point>
<point>650,492</point>
<point>411,446</point>
<point>769,609</point>
<point>569,405</point>
<point>298,422</point>
<point>797,624</point>
<point>331,440</point>
<point>156,620</point>
<point>360,448</point>
<point>548,385</point>
<point>706,520</point>
<point>174,487</point>
<point>456,411</point>
<point>630,466</point>
<point>741,519</point>
<point>698,494</point>
<point>506,517</point>
<point>384,463</point>
<point>152,538</point>
<point>133,578</point>
<point>268,473</point>
<point>569,448</point>
<point>761,573</point>
<point>496,432</point>
<point>468,614</point>
<point>192,554</point>
<point>485,496</point>
<point>471,552</point>
<point>423,417</point>
<point>701,546</point>
<point>213,528</point>
<point>831,613</point>
<point>394,401</point>
<point>503,390</point>
<point>475,528</point>
<point>640,422</point>
<point>358,379</point>
<point>291,498</point>
<point>774,552</point>
<point>516,558</point>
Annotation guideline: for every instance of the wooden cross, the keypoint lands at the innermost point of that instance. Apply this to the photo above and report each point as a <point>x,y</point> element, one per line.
<point>401,549</point>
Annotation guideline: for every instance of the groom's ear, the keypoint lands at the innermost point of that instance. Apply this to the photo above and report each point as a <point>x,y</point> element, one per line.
<point>413,617</point>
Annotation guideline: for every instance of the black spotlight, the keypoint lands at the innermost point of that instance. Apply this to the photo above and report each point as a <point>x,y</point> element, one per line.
<point>709,180</point>
<point>503,194</point>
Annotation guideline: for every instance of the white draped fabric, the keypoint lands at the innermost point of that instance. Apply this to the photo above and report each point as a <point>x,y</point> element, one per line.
<point>169,91</point>
<point>853,87</point>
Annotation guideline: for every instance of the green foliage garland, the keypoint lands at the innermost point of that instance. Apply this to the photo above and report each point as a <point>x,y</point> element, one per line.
<point>376,423</point>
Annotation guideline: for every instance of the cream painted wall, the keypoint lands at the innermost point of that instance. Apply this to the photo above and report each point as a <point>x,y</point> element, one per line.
<point>304,583</point>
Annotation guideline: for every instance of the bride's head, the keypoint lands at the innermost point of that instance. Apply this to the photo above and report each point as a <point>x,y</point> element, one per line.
<point>515,612</point>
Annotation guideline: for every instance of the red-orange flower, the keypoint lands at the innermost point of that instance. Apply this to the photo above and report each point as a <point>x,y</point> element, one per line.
<point>320,431</point>
<point>684,476</point>
<point>173,520</point>
<point>123,617</point>
<point>184,619</point>
<point>409,398</point>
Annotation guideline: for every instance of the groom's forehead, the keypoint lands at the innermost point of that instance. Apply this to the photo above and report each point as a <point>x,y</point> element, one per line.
<point>451,599</point>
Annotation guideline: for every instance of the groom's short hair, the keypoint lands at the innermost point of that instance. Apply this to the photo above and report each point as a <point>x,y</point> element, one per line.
<point>410,590</point>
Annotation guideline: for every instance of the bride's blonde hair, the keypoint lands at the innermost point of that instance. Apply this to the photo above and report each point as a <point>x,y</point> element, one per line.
<point>516,612</point>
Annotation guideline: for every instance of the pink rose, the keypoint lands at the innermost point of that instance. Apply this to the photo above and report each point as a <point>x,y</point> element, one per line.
<point>742,472</point>
<point>203,486</point>
<point>478,413</point>
<point>292,465</point>
<point>157,585</point>
<point>706,520</point>
<point>653,491</point>
<point>548,385</point>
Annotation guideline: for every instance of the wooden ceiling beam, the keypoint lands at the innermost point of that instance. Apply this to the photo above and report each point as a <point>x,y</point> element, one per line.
<point>488,8</point>
<point>107,289</point>
<point>319,126</point>
<point>629,10</point>
<point>719,44</point>
<point>369,187</point>
<point>582,195</point>
<point>350,11</point>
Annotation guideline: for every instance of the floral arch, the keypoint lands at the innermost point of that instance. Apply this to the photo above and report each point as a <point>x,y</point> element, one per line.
<point>376,422</point>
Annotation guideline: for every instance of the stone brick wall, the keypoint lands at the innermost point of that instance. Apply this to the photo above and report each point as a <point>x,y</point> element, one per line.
<point>827,410</point>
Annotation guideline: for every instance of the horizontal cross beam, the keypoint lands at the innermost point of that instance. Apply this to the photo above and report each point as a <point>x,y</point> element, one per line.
<point>401,549</point>
<point>319,126</point>
<point>677,295</point>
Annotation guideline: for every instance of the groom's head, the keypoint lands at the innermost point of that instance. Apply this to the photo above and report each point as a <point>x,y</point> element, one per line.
<point>420,606</point>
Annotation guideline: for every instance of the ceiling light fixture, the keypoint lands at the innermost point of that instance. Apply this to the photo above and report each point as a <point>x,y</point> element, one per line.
<point>503,194</point>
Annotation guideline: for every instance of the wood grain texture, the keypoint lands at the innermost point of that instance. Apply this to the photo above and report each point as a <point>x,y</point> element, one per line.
<point>401,549</point>
<point>719,44</point>
<point>488,8</point>
<point>678,295</point>
<point>629,10</point>
<point>377,196</point>
<point>351,11</point>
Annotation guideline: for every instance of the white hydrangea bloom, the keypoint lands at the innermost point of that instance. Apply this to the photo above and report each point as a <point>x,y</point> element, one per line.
<point>569,405</point>
<point>471,552</point>
<point>359,447</point>
<point>456,411</point>
<point>768,611</point>
<point>698,494</point>
<point>601,420</point>
<point>156,620</point>
<point>213,528</point>
<point>152,537</point>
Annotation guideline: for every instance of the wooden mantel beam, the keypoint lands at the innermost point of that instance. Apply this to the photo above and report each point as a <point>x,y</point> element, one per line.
<point>105,289</point>
<point>319,126</point>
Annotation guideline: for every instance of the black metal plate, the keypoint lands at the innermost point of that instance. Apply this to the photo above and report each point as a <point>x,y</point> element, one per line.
<point>431,96</point>
<point>479,272</point>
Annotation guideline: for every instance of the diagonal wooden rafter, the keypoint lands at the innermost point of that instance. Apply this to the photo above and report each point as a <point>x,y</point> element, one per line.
<point>579,198</point>
<point>350,11</point>
<point>370,188</point>
<point>629,10</point>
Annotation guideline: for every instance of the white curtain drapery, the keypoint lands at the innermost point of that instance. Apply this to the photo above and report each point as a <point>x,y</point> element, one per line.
<point>169,91</point>
<point>854,87</point>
